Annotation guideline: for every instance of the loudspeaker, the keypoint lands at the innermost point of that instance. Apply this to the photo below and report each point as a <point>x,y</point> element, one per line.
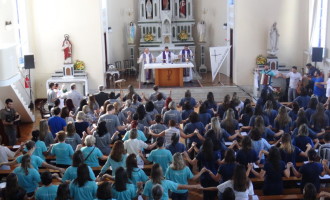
<point>29,62</point>
<point>317,54</point>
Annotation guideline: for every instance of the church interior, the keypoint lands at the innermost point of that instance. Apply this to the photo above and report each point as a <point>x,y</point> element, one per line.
<point>228,62</point>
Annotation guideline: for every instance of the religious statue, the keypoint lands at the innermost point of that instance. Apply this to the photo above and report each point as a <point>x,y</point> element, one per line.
<point>131,33</point>
<point>67,48</point>
<point>273,40</point>
<point>149,9</point>
<point>167,27</point>
<point>182,9</point>
<point>166,4</point>
<point>201,29</point>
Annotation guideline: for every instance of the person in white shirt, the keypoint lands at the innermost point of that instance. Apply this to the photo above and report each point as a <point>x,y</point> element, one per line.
<point>186,55</point>
<point>166,56</point>
<point>146,74</point>
<point>74,95</point>
<point>295,80</point>
<point>134,145</point>
<point>6,153</point>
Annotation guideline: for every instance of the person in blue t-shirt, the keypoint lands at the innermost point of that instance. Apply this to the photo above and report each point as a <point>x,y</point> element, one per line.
<point>176,146</point>
<point>71,172</point>
<point>246,154</point>
<point>41,149</point>
<point>116,159</point>
<point>319,120</point>
<point>283,121</point>
<point>303,99</point>
<point>83,188</point>
<point>160,155</point>
<point>48,191</point>
<point>62,151</point>
<point>319,90</point>
<point>91,153</point>
<point>122,188</point>
<point>187,97</point>
<point>28,178</point>
<point>226,169</point>
<point>136,175</point>
<point>56,123</point>
<point>179,173</point>
<point>104,191</point>
<point>194,123</point>
<point>302,140</point>
<point>311,171</point>
<point>204,115</point>
<point>157,177</point>
<point>63,192</point>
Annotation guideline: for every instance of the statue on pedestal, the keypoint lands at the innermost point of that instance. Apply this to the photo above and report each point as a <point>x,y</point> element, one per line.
<point>149,9</point>
<point>131,33</point>
<point>273,40</point>
<point>67,48</point>
<point>201,29</point>
<point>183,9</point>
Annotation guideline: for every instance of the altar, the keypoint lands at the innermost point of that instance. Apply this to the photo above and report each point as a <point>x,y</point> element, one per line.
<point>169,75</point>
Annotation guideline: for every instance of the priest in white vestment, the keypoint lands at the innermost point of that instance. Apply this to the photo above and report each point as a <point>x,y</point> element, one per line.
<point>186,55</point>
<point>166,56</point>
<point>146,74</point>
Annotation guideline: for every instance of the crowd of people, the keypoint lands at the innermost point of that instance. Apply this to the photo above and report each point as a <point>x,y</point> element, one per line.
<point>216,150</point>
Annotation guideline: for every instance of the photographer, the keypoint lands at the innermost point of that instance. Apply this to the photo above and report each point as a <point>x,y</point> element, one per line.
<point>10,119</point>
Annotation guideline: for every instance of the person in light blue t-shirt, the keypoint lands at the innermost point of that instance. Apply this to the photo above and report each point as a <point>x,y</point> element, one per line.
<point>117,158</point>
<point>104,191</point>
<point>123,189</point>
<point>62,151</point>
<point>28,178</point>
<point>41,149</point>
<point>91,153</point>
<point>179,173</point>
<point>136,175</point>
<point>160,155</point>
<point>156,177</point>
<point>48,191</point>
<point>71,172</point>
<point>83,188</point>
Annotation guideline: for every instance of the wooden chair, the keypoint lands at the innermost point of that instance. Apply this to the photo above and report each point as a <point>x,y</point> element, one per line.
<point>119,67</point>
<point>129,67</point>
<point>45,114</point>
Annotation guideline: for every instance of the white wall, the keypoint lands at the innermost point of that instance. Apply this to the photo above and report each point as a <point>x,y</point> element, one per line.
<point>252,22</point>
<point>7,9</point>
<point>49,21</point>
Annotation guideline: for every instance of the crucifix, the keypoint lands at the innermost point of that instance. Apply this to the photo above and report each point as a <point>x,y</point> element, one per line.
<point>215,55</point>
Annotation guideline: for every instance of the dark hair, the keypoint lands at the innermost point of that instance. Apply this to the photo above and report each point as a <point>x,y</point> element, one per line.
<point>50,85</point>
<point>101,128</point>
<point>46,178</point>
<point>63,192</point>
<point>156,175</point>
<point>210,97</point>
<point>155,87</point>
<point>313,103</point>
<point>319,117</point>
<point>246,143</point>
<point>312,155</point>
<point>69,104</point>
<point>30,144</point>
<point>149,107</point>
<point>258,110</point>
<point>160,141</point>
<point>65,112</point>
<point>175,139</point>
<point>121,179</point>
<point>77,158</point>
<point>240,180</point>
<point>327,136</point>
<point>207,149</point>
<point>26,163</point>
<point>295,107</point>
<point>11,186</point>
<point>294,67</point>
<point>303,91</point>
<point>230,156</point>
<point>131,163</point>
<point>159,96</point>
<point>158,118</point>
<point>82,175</point>
<point>157,192</point>
<point>8,101</point>
<point>255,134</point>
<point>57,110</point>
<point>73,86</point>
<point>104,191</point>
<point>203,108</point>
<point>228,194</point>
<point>214,137</point>
<point>117,151</point>
<point>141,111</point>
<point>301,118</point>
<point>310,192</point>
<point>57,102</point>
<point>35,135</point>
<point>274,158</point>
<point>309,65</point>
<point>193,117</point>
<point>187,94</point>
<point>110,107</point>
<point>82,103</point>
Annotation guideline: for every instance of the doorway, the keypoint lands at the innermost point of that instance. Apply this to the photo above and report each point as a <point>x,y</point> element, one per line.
<point>231,53</point>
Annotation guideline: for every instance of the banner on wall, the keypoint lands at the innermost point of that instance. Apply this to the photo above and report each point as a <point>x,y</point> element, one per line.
<point>218,56</point>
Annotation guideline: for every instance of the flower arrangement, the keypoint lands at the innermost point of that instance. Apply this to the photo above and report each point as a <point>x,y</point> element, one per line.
<point>261,60</point>
<point>183,35</point>
<point>79,65</point>
<point>148,37</point>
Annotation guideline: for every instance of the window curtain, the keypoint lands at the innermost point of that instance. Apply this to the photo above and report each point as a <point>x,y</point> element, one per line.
<point>313,28</point>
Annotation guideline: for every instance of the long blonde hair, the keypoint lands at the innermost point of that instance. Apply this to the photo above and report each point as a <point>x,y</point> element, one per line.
<point>216,127</point>
<point>286,144</point>
<point>44,129</point>
<point>178,162</point>
<point>282,118</point>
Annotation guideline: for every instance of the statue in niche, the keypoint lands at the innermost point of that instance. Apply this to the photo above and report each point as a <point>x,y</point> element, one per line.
<point>149,9</point>
<point>131,33</point>
<point>165,4</point>
<point>201,29</point>
<point>273,40</point>
<point>167,40</point>
<point>67,48</point>
<point>167,27</point>
<point>183,9</point>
